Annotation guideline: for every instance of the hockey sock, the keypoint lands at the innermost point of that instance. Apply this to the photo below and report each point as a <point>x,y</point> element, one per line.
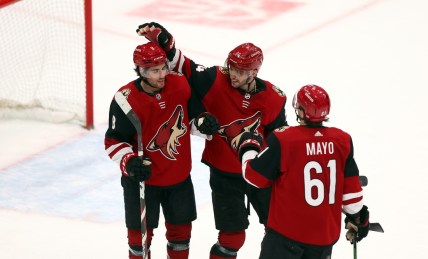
<point>135,243</point>
<point>228,244</point>
<point>221,252</point>
<point>178,250</point>
<point>178,237</point>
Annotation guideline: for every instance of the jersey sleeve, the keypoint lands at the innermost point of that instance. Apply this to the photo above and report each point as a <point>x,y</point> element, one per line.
<point>279,121</point>
<point>353,192</point>
<point>264,168</point>
<point>120,134</point>
<point>200,78</point>
<point>194,106</point>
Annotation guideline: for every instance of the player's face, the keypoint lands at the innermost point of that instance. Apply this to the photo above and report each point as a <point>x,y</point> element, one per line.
<point>156,76</point>
<point>240,78</point>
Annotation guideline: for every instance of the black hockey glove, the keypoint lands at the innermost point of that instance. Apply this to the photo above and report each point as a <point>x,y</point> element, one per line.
<point>139,169</point>
<point>207,123</point>
<point>357,225</point>
<point>249,141</point>
<point>156,33</point>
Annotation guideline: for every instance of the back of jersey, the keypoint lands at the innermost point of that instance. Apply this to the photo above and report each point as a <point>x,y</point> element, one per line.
<point>308,194</point>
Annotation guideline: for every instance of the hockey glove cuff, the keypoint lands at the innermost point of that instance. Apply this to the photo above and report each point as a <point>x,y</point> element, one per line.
<point>357,225</point>
<point>137,168</point>
<point>249,141</point>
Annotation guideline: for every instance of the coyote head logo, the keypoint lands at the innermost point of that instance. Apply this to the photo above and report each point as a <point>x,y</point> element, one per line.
<point>168,134</point>
<point>233,131</point>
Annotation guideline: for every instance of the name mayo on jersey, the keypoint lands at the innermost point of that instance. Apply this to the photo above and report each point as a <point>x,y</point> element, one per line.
<point>319,148</point>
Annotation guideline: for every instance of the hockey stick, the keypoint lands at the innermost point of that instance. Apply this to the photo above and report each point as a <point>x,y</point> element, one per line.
<point>132,116</point>
<point>363,181</point>
<point>372,226</point>
<point>376,227</point>
<point>355,249</point>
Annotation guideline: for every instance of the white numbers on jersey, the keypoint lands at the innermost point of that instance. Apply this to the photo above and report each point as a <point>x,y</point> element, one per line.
<point>113,122</point>
<point>318,184</point>
<point>200,68</point>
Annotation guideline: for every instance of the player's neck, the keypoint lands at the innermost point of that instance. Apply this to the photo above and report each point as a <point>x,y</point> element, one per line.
<point>149,89</point>
<point>251,87</point>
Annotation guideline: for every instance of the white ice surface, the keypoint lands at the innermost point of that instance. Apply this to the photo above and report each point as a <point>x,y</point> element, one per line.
<point>60,196</point>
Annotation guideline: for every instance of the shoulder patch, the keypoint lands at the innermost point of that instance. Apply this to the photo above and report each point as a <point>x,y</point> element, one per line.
<point>126,92</point>
<point>278,90</point>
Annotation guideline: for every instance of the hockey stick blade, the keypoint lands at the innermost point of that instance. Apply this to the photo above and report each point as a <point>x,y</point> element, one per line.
<point>363,180</point>
<point>376,227</point>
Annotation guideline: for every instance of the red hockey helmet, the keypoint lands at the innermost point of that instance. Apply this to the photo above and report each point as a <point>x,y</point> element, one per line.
<point>149,55</point>
<point>246,56</point>
<point>314,101</point>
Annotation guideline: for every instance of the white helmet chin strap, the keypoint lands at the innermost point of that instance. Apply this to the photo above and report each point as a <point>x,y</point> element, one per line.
<point>249,84</point>
<point>298,118</point>
<point>144,76</point>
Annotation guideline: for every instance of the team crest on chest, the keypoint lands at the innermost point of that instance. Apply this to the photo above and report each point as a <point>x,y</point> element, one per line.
<point>233,131</point>
<point>168,135</point>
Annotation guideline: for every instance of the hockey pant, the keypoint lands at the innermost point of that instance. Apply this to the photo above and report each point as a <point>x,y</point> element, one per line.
<point>277,246</point>
<point>179,209</point>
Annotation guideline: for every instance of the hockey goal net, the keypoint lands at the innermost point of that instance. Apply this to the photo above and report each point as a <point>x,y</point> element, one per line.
<point>46,60</point>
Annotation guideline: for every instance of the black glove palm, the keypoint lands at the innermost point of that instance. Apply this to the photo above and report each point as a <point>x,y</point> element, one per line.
<point>249,141</point>
<point>139,169</point>
<point>358,225</point>
<point>207,124</point>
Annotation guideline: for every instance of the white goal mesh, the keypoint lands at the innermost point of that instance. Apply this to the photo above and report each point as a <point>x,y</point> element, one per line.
<point>43,61</point>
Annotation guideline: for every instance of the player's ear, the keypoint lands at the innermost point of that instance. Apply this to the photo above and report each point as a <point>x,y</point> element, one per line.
<point>254,72</point>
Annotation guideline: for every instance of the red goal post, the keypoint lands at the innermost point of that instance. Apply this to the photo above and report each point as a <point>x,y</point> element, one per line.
<point>46,61</point>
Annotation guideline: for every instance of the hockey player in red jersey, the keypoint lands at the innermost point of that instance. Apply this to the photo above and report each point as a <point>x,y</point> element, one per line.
<point>242,103</point>
<point>314,177</point>
<point>160,99</point>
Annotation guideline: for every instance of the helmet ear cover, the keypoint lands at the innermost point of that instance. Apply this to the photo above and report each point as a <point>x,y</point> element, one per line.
<point>314,101</point>
<point>246,56</point>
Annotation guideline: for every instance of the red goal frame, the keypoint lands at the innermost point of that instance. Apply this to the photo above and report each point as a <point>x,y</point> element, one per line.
<point>88,60</point>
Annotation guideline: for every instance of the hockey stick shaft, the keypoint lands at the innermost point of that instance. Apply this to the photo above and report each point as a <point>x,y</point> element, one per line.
<point>355,250</point>
<point>373,226</point>
<point>132,116</point>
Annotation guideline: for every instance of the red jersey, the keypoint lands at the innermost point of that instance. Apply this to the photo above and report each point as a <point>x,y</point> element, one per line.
<point>165,129</point>
<point>314,176</point>
<point>235,110</point>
